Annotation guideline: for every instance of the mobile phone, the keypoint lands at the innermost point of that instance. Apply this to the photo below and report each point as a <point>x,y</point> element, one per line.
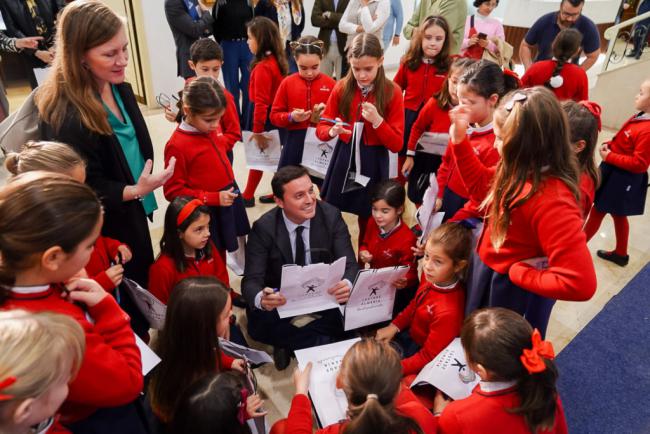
<point>482,35</point>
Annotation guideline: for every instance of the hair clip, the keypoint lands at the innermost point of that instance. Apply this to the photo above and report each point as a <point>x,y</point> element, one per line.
<point>517,97</point>
<point>241,407</point>
<point>533,359</point>
<point>595,110</point>
<point>372,396</point>
<point>7,382</point>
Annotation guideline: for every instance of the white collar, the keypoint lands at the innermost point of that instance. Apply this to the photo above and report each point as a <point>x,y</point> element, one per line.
<point>291,226</point>
<point>495,386</point>
<point>471,130</point>
<point>187,127</point>
<point>385,233</point>
<point>642,116</point>
<point>450,286</point>
<point>29,289</point>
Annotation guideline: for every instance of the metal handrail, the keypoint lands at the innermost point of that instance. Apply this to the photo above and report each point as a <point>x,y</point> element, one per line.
<point>612,32</point>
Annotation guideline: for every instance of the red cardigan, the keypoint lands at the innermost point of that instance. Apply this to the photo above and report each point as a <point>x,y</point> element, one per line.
<point>264,83</point>
<point>575,85</point>
<point>431,119</point>
<point>434,318</point>
<point>390,133</point>
<point>297,93</point>
<point>393,250</point>
<point>111,371</point>
<point>202,166</point>
<point>631,146</point>
<point>587,193</point>
<point>300,421</point>
<point>104,252</point>
<point>418,85</point>
<point>163,275</point>
<point>487,413</point>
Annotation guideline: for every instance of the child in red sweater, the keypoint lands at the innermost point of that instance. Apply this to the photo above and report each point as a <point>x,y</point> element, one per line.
<point>624,178</point>
<point>422,71</point>
<point>370,375</point>
<point>584,122</point>
<point>532,249</point>
<point>49,224</point>
<point>268,68</point>
<point>517,393</point>
<point>41,353</point>
<point>434,316</point>
<point>198,314</point>
<point>203,171</point>
<point>565,79</point>
<point>388,241</point>
<point>301,98</point>
<point>185,248</point>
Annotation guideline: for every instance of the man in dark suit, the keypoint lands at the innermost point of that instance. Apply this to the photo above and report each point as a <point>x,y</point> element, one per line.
<point>300,230</point>
<point>326,14</point>
<point>189,20</point>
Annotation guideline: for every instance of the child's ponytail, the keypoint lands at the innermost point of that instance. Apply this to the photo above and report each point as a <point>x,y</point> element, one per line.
<point>538,397</point>
<point>565,45</point>
<point>584,124</point>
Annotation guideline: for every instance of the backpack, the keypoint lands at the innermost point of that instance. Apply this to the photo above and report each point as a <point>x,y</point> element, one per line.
<point>20,127</point>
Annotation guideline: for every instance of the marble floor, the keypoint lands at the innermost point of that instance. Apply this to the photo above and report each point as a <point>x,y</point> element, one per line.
<point>567,320</point>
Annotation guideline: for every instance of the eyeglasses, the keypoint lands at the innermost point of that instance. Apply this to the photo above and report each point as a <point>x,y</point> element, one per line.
<point>564,14</point>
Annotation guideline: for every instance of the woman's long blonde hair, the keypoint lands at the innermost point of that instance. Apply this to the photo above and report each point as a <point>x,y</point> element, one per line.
<point>83,24</point>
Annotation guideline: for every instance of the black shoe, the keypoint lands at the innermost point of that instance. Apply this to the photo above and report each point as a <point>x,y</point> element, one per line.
<point>619,260</point>
<point>249,203</point>
<point>281,358</point>
<point>239,301</point>
<point>267,199</point>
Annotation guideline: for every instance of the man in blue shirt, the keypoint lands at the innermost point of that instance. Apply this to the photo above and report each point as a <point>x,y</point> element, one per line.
<point>546,28</point>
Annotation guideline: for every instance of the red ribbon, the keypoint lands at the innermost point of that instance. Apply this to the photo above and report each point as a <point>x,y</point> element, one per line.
<point>7,382</point>
<point>513,74</point>
<point>533,359</point>
<point>187,210</point>
<point>594,109</point>
<point>241,411</point>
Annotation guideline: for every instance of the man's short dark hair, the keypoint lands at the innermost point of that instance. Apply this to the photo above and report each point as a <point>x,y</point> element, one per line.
<point>284,176</point>
<point>574,3</point>
<point>478,3</point>
<point>205,49</point>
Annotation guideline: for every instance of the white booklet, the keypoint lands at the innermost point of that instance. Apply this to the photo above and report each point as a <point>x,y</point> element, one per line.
<point>149,359</point>
<point>262,159</point>
<point>449,372</point>
<point>433,143</point>
<point>372,297</point>
<point>153,309</point>
<point>425,216</point>
<point>305,288</point>
<point>256,357</point>
<point>317,154</point>
<point>329,402</point>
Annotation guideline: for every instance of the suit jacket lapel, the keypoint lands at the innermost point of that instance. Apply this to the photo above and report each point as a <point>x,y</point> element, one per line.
<point>282,237</point>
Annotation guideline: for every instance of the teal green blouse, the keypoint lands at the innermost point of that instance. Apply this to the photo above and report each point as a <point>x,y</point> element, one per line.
<point>125,133</point>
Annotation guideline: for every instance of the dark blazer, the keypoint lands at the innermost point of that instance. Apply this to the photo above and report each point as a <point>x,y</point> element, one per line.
<point>265,9</point>
<point>185,32</point>
<point>268,248</point>
<point>108,172</point>
<point>328,24</point>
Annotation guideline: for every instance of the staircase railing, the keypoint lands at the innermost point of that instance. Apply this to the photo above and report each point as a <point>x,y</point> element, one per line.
<point>620,32</point>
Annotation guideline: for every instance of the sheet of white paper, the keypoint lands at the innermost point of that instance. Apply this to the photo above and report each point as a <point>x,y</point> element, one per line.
<point>267,159</point>
<point>372,297</point>
<point>305,288</point>
<point>41,74</point>
<point>433,143</point>
<point>329,402</point>
<point>148,357</point>
<point>152,308</point>
<point>445,371</point>
<point>357,135</point>
<point>256,357</point>
<point>426,218</point>
<point>317,154</point>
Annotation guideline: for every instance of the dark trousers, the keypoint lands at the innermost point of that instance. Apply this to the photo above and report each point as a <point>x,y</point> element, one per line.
<point>640,32</point>
<point>132,418</point>
<point>406,343</point>
<point>237,59</point>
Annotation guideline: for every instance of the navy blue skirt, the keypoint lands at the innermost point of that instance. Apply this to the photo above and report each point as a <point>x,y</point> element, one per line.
<point>292,148</point>
<point>409,119</point>
<point>227,223</point>
<point>487,288</point>
<point>451,203</point>
<point>621,192</point>
<point>424,165</point>
<point>374,164</point>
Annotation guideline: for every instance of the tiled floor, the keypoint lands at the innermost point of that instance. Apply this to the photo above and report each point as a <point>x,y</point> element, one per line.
<point>567,320</point>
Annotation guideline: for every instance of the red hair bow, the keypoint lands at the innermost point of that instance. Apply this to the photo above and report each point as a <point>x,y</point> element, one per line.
<point>513,74</point>
<point>533,359</point>
<point>241,411</point>
<point>7,382</point>
<point>594,109</point>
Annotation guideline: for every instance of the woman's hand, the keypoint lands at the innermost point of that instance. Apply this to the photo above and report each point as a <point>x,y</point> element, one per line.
<point>407,166</point>
<point>124,250</point>
<point>338,129</point>
<point>386,334</point>
<point>148,182</point>
<point>170,114</point>
<point>239,365</point>
<point>459,123</point>
<point>227,197</point>
<point>85,291</point>
<point>115,273</point>
<point>261,140</point>
<point>253,406</point>
<point>301,379</point>
<point>300,115</point>
<point>370,113</point>
<point>483,43</point>
<point>365,256</point>
<point>30,42</point>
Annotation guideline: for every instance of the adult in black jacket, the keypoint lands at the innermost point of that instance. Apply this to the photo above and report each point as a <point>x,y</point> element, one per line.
<point>326,15</point>
<point>273,242</point>
<point>187,25</point>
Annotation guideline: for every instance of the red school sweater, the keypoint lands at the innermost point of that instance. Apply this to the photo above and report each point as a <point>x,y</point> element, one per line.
<point>202,166</point>
<point>300,420</point>
<point>418,85</point>
<point>390,133</point>
<point>631,145</point>
<point>104,252</point>
<point>487,413</point>
<point>434,318</point>
<point>111,371</point>
<point>163,274</point>
<point>587,193</point>
<point>393,250</point>
<point>264,82</point>
<point>431,119</point>
<point>575,85</point>
<point>297,93</point>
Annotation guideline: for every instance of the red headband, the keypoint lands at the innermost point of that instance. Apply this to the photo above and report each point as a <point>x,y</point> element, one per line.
<point>7,382</point>
<point>187,210</point>
<point>533,359</point>
<point>594,109</point>
<point>512,74</point>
